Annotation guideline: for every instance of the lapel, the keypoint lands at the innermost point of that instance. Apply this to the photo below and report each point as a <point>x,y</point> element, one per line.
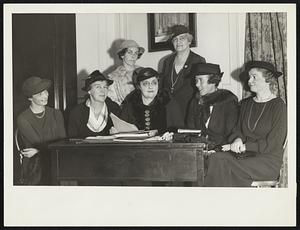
<point>187,65</point>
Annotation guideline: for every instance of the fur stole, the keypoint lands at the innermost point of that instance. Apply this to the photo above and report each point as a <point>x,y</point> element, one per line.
<point>220,96</point>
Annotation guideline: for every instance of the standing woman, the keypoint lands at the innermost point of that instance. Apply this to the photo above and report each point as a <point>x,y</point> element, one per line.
<point>257,148</point>
<point>213,110</point>
<point>147,108</point>
<point>38,126</point>
<point>91,118</point>
<point>176,69</point>
<point>129,51</point>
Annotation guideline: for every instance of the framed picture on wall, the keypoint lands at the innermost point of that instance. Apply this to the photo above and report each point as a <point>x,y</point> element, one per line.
<point>159,25</point>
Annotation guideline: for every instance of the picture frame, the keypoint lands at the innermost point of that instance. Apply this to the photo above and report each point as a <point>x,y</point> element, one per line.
<point>159,25</point>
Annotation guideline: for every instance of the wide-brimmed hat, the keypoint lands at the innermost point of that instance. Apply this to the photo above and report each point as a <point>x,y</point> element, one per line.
<point>142,74</point>
<point>177,30</point>
<point>95,76</point>
<point>264,65</point>
<point>206,69</point>
<point>34,85</point>
<point>130,43</point>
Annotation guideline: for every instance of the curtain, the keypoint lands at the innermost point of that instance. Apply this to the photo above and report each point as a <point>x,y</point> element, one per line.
<point>266,40</point>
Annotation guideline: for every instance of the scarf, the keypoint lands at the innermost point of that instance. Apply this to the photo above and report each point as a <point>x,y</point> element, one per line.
<point>94,124</point>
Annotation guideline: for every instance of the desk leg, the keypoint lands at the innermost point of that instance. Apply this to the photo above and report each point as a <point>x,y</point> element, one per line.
<point>200,167</point>
<point>54,167</point>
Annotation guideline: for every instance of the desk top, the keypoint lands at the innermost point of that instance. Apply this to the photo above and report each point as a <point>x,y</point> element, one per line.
<point>79,143</point>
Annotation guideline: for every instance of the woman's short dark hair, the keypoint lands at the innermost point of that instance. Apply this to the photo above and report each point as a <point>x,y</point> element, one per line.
<point>214,79</point>
<point>123,51</point>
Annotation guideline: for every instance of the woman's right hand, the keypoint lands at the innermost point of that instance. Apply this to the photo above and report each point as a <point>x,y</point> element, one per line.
<point>237,146</point>
<point>29,152</point>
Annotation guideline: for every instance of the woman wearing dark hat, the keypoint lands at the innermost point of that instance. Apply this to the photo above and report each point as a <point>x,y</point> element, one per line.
<point>147,108</point>
<point>257,147</point>
<point>91,118</point>
<point>176,69</point>
<point>129,51</point>
<point>213,110</point>
<point>38,126</point>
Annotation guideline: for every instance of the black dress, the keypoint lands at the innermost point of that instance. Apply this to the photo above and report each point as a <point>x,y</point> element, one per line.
<point>160,114</point>
<point>263,129</point>
<point>184,88</point>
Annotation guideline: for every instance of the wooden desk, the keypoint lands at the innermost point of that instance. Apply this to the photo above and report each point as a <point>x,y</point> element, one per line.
<point>109,163</point>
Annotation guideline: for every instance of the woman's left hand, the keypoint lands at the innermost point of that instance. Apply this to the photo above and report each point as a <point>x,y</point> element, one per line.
<point>225,148</point>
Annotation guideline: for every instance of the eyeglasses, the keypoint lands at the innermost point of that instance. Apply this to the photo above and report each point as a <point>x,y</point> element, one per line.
<point>180,38</point>
<point>147,83</point>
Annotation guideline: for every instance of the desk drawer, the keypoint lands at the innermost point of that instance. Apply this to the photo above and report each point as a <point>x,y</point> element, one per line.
<point>130,163</point>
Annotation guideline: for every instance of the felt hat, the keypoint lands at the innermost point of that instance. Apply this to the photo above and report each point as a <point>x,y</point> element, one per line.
<point>142,74</point>
<point>206,69</point>
<point>34,85</point>
<point>264,65</point>
<point>177,30</point>
<point>130,43</point>
<point>95,76</point>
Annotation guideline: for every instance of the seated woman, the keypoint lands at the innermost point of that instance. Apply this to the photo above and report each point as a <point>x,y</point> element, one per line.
<point>91,118</point>
<point>257,150</point>
<point>213,110</point>
<point>146,108</point>
<point>38,126</point>
<point>129,51</point>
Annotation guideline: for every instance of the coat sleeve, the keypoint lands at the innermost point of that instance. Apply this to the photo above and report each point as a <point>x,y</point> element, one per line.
<point>174,116</point>
<point>27,133</point>
<point>237,133</point>
<point>232,115</point>
<point>127,113</point>
<point>191,123</point>
<point>273,143</point>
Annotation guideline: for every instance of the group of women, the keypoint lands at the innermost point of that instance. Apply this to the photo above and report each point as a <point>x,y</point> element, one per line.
<point>247,139</point>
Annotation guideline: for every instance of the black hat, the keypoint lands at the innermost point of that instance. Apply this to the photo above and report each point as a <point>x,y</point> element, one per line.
<point>142,74</point>
<point>264,65</point>
<point>206,69</point>
<point>177,30</point>
<point>34,85</point>
<point>95,76</point>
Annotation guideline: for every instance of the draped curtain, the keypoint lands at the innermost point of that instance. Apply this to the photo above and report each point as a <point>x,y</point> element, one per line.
<point>266,40</point>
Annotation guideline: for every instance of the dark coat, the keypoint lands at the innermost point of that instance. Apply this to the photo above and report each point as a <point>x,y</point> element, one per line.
<point>79,117</point>
<point>38,133</point>
<point>184,88</point>
<point>161,113</point>
<point>223,118</point>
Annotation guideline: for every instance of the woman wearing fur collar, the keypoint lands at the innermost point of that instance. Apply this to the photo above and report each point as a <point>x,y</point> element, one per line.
<point>213,110</point>
<point>147,108</point>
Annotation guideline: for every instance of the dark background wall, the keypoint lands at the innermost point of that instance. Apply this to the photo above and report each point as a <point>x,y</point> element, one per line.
<point>44,45</point>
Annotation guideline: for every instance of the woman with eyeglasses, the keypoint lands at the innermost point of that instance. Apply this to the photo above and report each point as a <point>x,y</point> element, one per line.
<point>147,108</point>
<point>176,69</point>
